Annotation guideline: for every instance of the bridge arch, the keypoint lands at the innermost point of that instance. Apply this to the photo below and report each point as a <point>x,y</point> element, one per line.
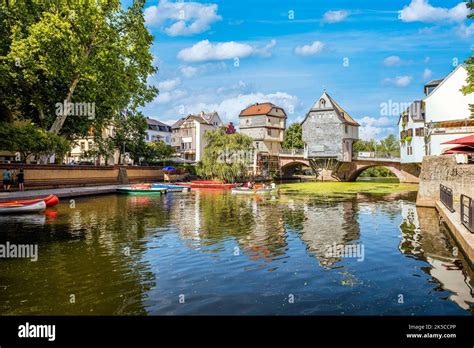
<point>289,168</point>
<point>360,169</point>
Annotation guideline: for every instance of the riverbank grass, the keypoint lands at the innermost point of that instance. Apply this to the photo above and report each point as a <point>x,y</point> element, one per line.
<point>346,187</point>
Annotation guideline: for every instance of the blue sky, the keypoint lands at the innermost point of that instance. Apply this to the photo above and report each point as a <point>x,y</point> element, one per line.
<point>224,55</point>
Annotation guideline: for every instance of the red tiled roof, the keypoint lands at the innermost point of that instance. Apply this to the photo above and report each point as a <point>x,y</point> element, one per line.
<point>259,109</point>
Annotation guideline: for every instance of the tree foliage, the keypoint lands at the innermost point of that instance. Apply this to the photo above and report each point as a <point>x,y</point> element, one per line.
<point>293,137</point>
<point>74,51</point>
<point>129,134</point>
<point>388,146</point>
<point>29,140</point>
<point>226,156</point>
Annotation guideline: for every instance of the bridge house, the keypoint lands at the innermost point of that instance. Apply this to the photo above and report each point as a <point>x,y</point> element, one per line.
<point>328,131</point>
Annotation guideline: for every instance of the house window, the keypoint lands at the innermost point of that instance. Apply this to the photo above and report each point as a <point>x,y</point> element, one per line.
<point>346,128</point>
<point>269,132</point>
<point>83,145</point>
<point>419,132</point>
<point>322,103</point>
<point>410,132</point>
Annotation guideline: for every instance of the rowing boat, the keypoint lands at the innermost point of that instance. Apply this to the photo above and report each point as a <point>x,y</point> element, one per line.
<point>50,201</point>
<point>208,184</point>
<point>19,208</point>
<point>141,189</point>
<point>249,191</point>
<point>172,188</point>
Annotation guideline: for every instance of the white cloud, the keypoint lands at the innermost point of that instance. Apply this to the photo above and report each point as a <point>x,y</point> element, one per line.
<point>188,71</point>
<point>168,85</point>
<point>168,96</point>
<point>422,11</point>
<point>207,51</point>
<point>464,30</point>
<point>230,107</point>
<point>335,16</point>
<point>375,128</point>
<point>392,61</point>
<point>400,81</point>
<point>182,18</point>
<point>427,73</point>
<point>309,50</point>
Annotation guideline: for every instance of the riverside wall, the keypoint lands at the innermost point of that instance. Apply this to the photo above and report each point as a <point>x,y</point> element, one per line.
<point>436,170</point>
<point>57,176</point>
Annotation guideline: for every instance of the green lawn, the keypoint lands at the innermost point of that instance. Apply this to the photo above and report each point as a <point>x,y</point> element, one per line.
<point>346,187</point>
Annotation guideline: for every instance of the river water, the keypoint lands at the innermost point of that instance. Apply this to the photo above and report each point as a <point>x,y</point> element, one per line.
<point>211,252</point>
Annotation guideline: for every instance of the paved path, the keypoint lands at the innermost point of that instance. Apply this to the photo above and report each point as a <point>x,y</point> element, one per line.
<point>60,192</point>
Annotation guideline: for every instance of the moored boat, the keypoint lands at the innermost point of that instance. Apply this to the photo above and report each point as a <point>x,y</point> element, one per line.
<point>256,191</point>
<point>208,184</point>
<point>50,201</point>
<point>19,208</point>
<point>173,188</point>
<point>141,189</point>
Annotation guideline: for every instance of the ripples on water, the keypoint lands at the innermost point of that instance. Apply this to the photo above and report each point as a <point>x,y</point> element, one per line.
<point>210,252</point>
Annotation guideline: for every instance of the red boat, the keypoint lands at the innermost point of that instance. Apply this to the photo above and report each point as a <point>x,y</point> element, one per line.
<point>50,201</point>
<point>208,184</point>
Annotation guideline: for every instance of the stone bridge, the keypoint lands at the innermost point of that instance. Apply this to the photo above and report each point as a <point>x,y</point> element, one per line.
<point>349,171</point>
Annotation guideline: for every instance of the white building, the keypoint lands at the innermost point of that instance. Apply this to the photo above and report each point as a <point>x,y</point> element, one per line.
<point>446,116</point>
<point>188,134</point>
<point>158,131</point>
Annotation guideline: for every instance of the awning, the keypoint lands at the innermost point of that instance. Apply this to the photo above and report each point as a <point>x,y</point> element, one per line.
<point>469,141</point>
<point>461,149</point>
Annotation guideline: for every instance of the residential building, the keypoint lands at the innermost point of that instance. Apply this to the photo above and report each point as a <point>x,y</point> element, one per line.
<point>328,131</point>
<point>188,134</point>
<point>83,145</point>
<point>158,131</point>
<point>411,125</point>
<point>446,116</point>
<point>265,123</point>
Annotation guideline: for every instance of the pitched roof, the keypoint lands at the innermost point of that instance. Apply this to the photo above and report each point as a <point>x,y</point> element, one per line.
<point>341,113</point>
<point>203,118</point>
<point>444,80</point>
<point>260,109</point>
<point>157,125</point>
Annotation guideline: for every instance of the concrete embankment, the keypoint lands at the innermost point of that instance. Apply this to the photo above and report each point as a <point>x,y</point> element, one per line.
<point>61,193</point>
<point>436,170</point>
<point>443,170</point>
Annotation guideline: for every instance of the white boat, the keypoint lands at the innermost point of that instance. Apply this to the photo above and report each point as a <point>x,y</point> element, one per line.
<point>249,191</point>
<point>19,208</point>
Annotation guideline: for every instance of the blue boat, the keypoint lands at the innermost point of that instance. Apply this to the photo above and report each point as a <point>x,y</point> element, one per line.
<point>172,188</point>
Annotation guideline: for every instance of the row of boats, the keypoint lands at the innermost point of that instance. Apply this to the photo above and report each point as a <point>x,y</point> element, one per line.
<point>40,204</point>
<point>196,184</point>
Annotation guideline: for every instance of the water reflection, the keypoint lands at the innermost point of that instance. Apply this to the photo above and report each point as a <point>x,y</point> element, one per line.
<point>426,238</point>
<point>234,255</point>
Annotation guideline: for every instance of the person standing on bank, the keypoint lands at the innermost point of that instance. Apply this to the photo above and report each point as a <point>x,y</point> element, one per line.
<point>7,177</point>
<point>20,179</point>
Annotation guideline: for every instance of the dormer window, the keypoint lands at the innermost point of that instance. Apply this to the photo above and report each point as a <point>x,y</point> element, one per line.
<point>322,103</point>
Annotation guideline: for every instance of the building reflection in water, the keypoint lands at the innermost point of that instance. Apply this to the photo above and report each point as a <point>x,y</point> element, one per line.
<point>324,224</point>
<point>424,237</point>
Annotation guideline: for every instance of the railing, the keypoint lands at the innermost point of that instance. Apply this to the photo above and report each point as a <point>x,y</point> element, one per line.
<point>467,213</point>
<point>446,197</point>
<point>293,152</point>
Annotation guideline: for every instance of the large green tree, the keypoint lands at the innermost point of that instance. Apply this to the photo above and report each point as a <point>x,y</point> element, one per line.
<point>129,134</point>
<point>30,140</point>
<point>225,156</point>
<point>293,137</point>
<point>74,52</point>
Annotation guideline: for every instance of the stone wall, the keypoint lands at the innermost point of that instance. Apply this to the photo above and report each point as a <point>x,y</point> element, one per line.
<point>54,176</point>
<point>436,170</point>
<point>323,134</point>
